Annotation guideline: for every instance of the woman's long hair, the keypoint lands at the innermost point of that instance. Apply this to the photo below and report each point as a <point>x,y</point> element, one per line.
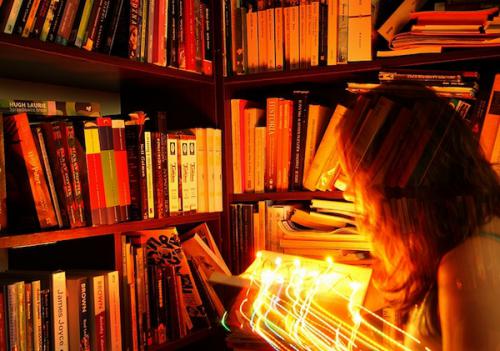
<point>417,201</point>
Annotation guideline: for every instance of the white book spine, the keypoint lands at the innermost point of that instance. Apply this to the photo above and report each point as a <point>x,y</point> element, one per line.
<point>59,312</point>
<point>149,174</point>
<point>37,315</point>
<point>218,169</point>
<point>173,175</point>
<point>201,169</point>
<point>193,174</point>
<point>211,168</point>
<point>342,28</point>
<point>113,308</point>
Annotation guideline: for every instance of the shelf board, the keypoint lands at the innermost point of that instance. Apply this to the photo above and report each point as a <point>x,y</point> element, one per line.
<point>287,196</point>
<point>190,339</point>
<point>49,237</point>
<point>325,74</point>
<point>34,60</point>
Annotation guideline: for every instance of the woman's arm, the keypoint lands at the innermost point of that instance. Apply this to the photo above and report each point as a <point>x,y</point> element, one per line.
<point>468,295</point>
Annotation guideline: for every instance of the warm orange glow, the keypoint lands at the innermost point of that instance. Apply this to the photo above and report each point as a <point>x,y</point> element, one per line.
<point>304,304</point>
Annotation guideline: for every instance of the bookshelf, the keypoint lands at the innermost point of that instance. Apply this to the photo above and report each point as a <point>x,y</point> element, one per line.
<point>203,101</point>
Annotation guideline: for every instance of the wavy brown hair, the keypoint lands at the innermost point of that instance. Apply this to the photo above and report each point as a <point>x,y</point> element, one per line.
<point>452,192</point>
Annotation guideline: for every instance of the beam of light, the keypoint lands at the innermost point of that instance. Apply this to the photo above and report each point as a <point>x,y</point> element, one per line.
<point>304,304</point>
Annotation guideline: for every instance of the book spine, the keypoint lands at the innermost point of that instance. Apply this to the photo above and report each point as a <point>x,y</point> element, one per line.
<point>112,27</point>
<point>323,33</point>
<point>3,322</point>
<point>99,304</point>
<point>132,141</point>
<point>149,175</point>
<point>279,35</point>
<point>120,150</point>
<point>84,21</point>
<point>294,35</point>
<point>263,36</point>
<point>218,169</point>
<point>172,43</point>
<point>162,128</point>
<point>207,63</point>
<point>54,26</point>
<point>59,311</point>
<point>143,187</point>
<point>133,42</point>
<point>84,315</point>
<point>270,33</point>
<point>260,158</point>
<point>108,165</point>
<point>193,174</point>
<point>113,319</point>
<point>287,141</point>
<point>37,315</point>
<point>13,317</point>
<point>271,161</point>
<point>69,142</point>
<point>143,30</point>
<point>181,36</point>
<point>332,34</point>
<point>202,169</point>
<point>29,315</point>
<point>173,175</point>
<point>46,322</point>
<point>249,121</point>
<point>97,197</point>
<point>298,139</point>
<point>211,168</point>
<point>92,26</point>
<point>151,28</point>
<point>227,37</point>
<point>491,120</point>
<point>49,18</point>
<point>68,17</point>
<point>314,8</point>
<point>236,145</point>
<point>160,53</point>
<point>342,30</point>
<point>100,36</point>
<point>183,159</point>
<point>198,36</point>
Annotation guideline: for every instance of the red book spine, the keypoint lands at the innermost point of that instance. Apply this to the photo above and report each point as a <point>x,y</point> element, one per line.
<point>189,35</point>
<point>69,143</point>
<point>133,42</point>
<point>160,34</point>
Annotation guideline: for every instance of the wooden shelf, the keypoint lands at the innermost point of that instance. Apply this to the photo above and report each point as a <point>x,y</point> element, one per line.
<point>190,339</point>
<point>287,196</point>
<point>326,74</point>
<point>48,237</point>
<point>34,60</point>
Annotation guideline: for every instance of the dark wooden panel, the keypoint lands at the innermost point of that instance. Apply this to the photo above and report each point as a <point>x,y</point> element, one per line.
<point>287,196</point>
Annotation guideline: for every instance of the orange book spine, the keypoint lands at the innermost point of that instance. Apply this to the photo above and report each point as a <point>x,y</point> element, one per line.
<point>271,138</point>
<point>491,120</point>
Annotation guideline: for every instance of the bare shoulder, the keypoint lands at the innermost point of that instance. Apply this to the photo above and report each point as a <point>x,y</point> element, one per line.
<point>474,263</point>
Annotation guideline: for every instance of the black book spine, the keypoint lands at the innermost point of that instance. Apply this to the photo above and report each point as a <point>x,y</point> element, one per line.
<point>84,315</point>
<point>172,34</point>
<point>132,141</point>
<point>208,55</point>
<point>323,32</point>
<point>58,12</point>
<point>46,320</point>
<point>227,26</point>
<point>43,8</point>
<point>101,25</point>
<point>299,132</point>
<point>112,27</point>
<point>234,231</point>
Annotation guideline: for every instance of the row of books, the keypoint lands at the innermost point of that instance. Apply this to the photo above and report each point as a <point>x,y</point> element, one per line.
<point>166,289</point>
<point>105,171</point>
<point>326,228</point>
<point>291,144</point>
<point>273,149</point>
<point>73,310</point>
<point>273,35</point>
<point>176,33</point>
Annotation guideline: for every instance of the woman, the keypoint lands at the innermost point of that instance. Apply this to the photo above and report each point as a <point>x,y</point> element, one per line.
<point>431,204</point>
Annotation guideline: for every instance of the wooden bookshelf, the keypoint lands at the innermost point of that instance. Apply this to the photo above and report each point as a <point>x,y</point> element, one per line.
<point>34,60</point>
<point>287,196</point>
<point>190,339</point>
<point>48,237</point>
<point>332,73</point>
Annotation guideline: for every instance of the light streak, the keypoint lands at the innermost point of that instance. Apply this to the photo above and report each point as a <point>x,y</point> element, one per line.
<point>304,304</point>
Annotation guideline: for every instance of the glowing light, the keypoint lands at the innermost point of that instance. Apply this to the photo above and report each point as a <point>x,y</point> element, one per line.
<point>304,304</point>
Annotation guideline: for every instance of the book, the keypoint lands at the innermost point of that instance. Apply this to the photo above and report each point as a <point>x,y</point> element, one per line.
<point>3,184</point>
<point>23,167</point>
<point>491,120</point>
<point>399,18</point>
<point>316,124</point>
<point>299,132</point>
<point>78,312</point>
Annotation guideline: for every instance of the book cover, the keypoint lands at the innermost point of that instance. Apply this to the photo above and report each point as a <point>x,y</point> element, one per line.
<point>491,120</point>
<point>299,131</point>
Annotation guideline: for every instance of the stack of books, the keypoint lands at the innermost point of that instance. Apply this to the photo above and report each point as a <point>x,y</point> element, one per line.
<point>174,33</point>
<point>94,170</point>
